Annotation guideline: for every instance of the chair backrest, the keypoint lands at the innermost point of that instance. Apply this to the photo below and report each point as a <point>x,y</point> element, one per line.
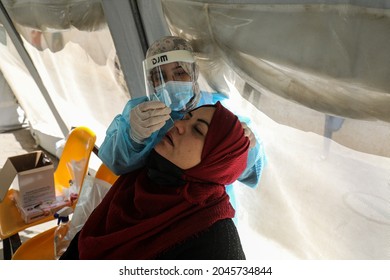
<point>105,174</point>
<point>73,163</point>
<point>39,247</point>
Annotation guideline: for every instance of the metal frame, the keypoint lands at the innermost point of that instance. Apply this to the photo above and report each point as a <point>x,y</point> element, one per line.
<point>130,44</point>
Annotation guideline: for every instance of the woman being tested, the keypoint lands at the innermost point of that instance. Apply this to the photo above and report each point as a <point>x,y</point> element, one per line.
<point>176,207</point>
<point>171,75</point>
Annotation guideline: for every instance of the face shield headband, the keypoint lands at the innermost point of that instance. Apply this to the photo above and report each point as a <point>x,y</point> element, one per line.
<point>169,77</point>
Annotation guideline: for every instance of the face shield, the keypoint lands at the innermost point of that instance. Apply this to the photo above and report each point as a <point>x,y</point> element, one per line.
<point>169,78</point>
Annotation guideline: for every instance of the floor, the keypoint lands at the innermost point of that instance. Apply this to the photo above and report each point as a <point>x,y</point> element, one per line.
<point>14,143</point>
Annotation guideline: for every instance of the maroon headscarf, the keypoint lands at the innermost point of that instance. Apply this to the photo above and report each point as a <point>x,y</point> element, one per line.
<point>138,219</point>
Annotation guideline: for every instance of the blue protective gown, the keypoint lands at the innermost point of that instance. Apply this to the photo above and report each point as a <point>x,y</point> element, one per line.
<point>122,155</point>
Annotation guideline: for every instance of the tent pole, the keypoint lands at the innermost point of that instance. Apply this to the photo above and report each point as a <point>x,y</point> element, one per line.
<point>17,41</point>
<point>139,25</point>
<point>129,46</point>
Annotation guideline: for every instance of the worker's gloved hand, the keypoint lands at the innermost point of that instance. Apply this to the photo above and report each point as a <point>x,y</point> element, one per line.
<point>147,118</point>
<point>248,133</point>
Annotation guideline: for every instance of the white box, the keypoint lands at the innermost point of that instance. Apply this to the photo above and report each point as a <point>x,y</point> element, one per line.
<point>31,175</point>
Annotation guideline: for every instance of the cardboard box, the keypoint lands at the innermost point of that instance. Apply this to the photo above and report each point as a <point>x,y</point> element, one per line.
<point>32,176</point>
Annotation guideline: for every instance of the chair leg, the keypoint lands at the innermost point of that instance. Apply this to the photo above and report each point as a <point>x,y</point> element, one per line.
<point>15,242</point>
<point>10,245</point>
<point>7,252</point>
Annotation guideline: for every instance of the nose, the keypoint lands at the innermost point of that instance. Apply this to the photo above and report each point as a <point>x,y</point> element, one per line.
<point>180,126</point>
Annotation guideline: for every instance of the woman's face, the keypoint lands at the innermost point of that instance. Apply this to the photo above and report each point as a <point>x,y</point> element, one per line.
<point>183,144</point>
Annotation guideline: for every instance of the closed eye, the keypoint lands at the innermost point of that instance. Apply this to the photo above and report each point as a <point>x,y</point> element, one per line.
<point>198,127</point>
<point>199,131</point>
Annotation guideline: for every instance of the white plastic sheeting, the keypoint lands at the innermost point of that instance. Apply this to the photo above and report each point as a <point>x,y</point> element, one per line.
<point>310,70</point>
<point>314,203</point>
<point>49,15</point>
<point>306,69</point>
<point>331,58</point>
<point>11,114</point>
<point>80,76</point>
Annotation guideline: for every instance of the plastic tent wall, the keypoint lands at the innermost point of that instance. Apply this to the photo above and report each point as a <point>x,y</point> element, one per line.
<point>11,114</point>
<point>311,75</point>
<point>318,70</point>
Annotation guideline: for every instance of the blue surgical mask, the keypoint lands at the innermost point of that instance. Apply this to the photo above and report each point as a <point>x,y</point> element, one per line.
<point>175,94</point>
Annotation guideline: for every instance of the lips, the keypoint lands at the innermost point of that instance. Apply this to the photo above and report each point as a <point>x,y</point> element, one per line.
<point>169,138</point>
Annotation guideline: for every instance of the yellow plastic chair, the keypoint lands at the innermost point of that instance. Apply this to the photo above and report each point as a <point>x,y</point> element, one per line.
<point>41,246</point>
<point>105,174</point>
<point>79,145</point>
<point>78,148</point>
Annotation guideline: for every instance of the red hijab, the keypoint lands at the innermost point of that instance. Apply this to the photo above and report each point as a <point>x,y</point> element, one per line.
<point>138,219</point>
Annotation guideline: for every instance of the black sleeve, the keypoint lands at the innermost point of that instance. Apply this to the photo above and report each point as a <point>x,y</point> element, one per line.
<point>219,242</point>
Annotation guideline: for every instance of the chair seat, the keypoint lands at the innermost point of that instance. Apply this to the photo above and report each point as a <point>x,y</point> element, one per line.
<point>41,247</point>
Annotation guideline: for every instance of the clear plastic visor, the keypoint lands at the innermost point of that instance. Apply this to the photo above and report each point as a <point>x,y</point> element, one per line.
<point>169,77</point>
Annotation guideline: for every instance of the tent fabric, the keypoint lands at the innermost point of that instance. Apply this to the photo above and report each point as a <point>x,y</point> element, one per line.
<point>82,79</point>
<point>310,67</point>
<point>314,203</point>
<point>46,15</point>
<point>11,114</point>
<point>311,75</point>
<point>325,57</point>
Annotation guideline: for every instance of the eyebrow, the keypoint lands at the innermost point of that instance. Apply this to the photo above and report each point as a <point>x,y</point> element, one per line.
<point>200,120</point>
<point>154,71</point>
<point>178,67</point>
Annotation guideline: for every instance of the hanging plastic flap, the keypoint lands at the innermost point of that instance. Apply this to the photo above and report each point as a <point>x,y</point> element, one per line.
<point>58,14</point>
<point>92,193</point>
